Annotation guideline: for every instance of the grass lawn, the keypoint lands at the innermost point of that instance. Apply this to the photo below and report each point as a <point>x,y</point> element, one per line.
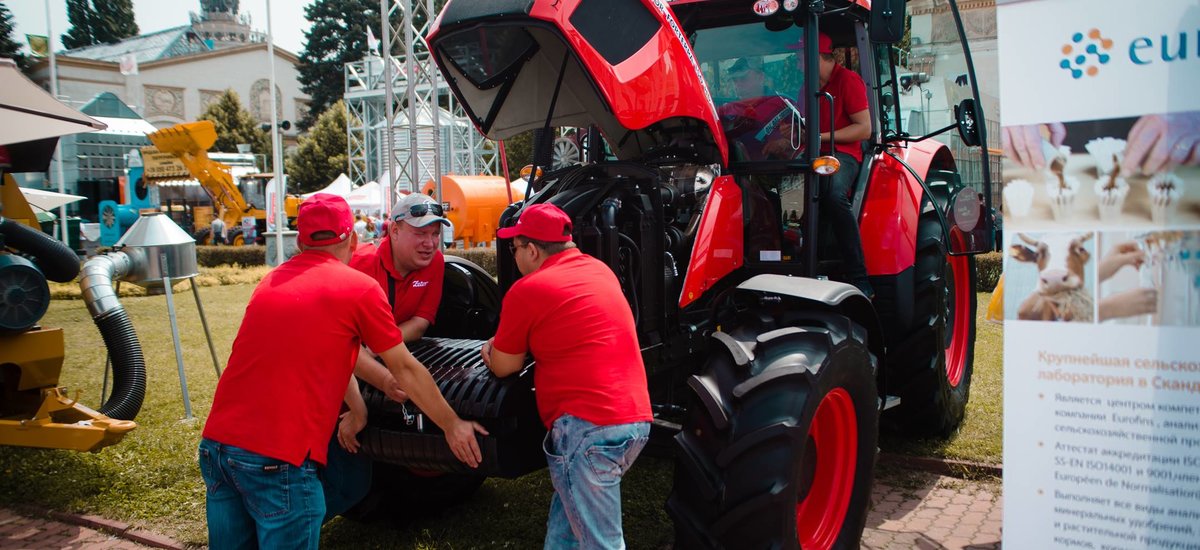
<point>151,479</point>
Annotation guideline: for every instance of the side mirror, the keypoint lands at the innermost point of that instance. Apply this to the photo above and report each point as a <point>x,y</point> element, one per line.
<point>887,21</point>
<point>966,116</point>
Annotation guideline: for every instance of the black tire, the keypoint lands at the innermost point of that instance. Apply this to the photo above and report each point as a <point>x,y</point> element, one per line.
<point>398,494</point>
<point>930,365</point>
<point>778,450</point>
<point>203,237</point>
<point>236,237</point>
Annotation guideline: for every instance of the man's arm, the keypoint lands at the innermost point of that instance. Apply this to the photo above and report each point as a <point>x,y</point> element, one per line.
<point>859,128</point>
<point>421,388</point>
<point>376,374</point>
<point>501,364</point>
<point>414,328</point>
<point>354,420</point>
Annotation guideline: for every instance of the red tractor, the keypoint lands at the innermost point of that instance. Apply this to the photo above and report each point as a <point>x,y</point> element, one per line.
<point>769,377</point>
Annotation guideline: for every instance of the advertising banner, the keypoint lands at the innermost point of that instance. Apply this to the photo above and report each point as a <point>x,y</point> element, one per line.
<point>1100,118</point>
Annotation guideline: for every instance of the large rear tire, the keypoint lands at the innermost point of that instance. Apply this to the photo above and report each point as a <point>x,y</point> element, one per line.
<point>930,366</point>
<point>778,450</point>
<point>398,493</point>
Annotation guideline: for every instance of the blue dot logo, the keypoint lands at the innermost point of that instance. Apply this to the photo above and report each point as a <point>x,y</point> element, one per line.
<point>1085,53</point>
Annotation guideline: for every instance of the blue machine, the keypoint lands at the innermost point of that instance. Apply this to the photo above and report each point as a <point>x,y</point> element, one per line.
<point>116,218</point>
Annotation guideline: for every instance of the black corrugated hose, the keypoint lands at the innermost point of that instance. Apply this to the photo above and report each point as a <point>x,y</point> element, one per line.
<point>57,261</point>
<point>129,367</point>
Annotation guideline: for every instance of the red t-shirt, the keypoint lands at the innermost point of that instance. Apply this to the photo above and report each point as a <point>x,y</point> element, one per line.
<point>570,314</point>
<point>293,356</point>
<point>849,97</point>
<point>418,294</point>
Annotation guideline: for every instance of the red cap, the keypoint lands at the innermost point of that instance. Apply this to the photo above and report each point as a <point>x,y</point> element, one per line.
<point>824,43</point>
<point>540,222</point>
<point>324,212</point>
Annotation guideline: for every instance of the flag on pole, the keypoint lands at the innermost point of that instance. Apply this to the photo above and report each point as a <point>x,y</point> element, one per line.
<point>129,64</point>
<point>39,45</point>
<point>372,42</point>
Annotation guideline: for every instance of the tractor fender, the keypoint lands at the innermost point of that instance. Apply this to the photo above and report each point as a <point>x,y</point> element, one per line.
<point>888,222</point>
<point>801,293</point>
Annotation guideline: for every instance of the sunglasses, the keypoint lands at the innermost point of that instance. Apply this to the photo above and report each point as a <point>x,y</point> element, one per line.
<point>418,210</point>
<point>513,246</point>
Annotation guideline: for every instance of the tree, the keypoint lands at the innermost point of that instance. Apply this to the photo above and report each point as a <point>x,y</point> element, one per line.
<point>236,125</point>
<point>322,154</point>
<point>98,22</point>
<point>338,35</point>
<point>8,47</point>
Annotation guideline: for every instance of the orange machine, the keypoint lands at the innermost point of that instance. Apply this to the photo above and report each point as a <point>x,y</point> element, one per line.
<point>475,203</point>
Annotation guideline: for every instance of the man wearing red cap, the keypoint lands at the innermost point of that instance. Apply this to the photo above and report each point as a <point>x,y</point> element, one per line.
<point>851,124</point>
<point>569,313</point>
<point>277,401</point>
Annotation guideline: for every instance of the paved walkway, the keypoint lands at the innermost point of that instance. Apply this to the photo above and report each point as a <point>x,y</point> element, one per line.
<point>911,509</point>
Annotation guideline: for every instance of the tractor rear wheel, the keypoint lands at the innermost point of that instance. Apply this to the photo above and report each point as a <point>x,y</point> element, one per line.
<point>203,237</point>
<point>778,450</point>
<point>930,366</point>
<point>398,493</point>
<point>236,237</point>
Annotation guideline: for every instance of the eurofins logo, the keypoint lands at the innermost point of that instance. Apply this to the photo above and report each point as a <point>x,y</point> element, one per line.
<point>1085,54</point>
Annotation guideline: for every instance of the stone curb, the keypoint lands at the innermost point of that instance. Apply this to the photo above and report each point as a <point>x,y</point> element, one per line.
<point>116,528</point>
<point>942,466</point>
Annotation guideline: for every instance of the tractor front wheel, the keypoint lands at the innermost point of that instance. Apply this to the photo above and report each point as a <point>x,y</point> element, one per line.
<point>778,450</point>
<point>398,493</point>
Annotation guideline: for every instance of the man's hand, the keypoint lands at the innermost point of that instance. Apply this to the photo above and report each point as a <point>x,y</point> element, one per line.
<point>1023,144</point>
<point>392,389</point>
<point>486,352</point>
<point>461,437</point>
<point>1137,301</point>
<point>1162,142</point>
<point>1120,255</point>
<point>349,424</point>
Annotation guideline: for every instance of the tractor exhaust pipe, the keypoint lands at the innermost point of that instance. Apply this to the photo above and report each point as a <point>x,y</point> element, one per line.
<point>129,365</point>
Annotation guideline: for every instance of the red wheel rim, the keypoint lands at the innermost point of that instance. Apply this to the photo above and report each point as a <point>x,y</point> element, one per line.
<point>834,433</point>
<point>958,319</point>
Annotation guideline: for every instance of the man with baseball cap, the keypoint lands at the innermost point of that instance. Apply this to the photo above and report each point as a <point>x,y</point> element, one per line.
<point>277,402</point>
<point>569,313</point>
<point>851,124</point>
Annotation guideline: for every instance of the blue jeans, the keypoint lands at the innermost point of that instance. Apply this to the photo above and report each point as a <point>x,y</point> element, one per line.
<point>838,204</point>
<point>586,464</point>
<point>345,479</point>
<point>258,502</point>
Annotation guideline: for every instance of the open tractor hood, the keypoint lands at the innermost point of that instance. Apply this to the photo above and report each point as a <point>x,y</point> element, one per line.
<point>622,65</point>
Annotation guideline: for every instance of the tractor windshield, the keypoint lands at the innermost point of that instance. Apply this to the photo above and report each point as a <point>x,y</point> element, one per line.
<point>755,76</point>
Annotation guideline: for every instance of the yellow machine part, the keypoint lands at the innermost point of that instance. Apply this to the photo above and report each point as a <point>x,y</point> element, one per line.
<point>475,205</point>
<point>34,411</point>
<point>15,206</point>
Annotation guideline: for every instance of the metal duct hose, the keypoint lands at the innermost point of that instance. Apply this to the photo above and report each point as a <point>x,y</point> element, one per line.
<point>504,406</point>
<point>129,366</point>
<point>57,261</point>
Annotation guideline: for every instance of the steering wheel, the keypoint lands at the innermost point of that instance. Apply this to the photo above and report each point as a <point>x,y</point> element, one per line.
<point>764,127</point>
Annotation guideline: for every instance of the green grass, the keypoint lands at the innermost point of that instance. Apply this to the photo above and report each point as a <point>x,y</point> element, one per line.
<point>151,479</point>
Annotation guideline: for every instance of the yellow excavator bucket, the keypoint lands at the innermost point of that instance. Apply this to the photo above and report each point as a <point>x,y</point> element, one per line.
<point>191,137</point>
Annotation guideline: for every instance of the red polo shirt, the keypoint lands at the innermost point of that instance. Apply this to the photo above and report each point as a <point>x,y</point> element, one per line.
<point>571,315</point>
<point>293,356</point>
<point>849,97</point>
<point>418,294</point>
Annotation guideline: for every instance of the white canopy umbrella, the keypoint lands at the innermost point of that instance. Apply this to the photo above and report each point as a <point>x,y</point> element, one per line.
<point>28,113</point>
<point>48,200</point>
<point>340,186</point>
<point>366,197</point>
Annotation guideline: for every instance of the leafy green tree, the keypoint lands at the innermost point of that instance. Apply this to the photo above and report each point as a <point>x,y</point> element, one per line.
<point>98,22</point>
<point>8,47</point>
<point>322,153</point>
<point>236,125</point>
<point>338,35</point>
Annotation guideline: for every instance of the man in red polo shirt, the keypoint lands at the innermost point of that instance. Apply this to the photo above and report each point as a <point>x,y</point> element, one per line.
<point>277,401</point>
<point>851,124</point>
<point>409,268</point>
<point>569,313</point>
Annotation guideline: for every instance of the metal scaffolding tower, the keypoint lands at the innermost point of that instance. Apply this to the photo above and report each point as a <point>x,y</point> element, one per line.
<point>431,134</point>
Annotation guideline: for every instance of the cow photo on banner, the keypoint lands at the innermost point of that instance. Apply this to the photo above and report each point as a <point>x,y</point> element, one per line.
<point>1100,123</point>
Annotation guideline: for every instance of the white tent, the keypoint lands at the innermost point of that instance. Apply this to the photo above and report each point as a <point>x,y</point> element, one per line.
<point>341,186</point>
<point>366,198</point>
<point>48,200</point>
<point>27,112</point>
